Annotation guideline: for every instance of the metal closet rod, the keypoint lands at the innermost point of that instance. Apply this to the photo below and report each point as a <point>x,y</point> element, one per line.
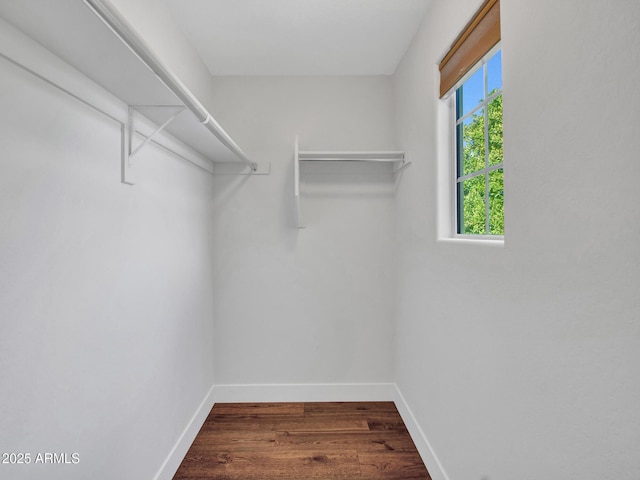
<point>123,29</point>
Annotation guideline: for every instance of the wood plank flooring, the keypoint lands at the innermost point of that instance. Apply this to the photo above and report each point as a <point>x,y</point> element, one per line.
<point>303,441</point>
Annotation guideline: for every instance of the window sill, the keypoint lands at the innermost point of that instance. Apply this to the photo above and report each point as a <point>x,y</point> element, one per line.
<point>480,241</point>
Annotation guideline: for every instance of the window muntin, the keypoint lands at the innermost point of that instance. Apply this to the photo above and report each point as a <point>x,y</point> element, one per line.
<point>479,167</point>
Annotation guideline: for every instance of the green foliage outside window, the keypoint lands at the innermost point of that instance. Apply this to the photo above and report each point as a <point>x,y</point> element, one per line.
<point>473,160</point>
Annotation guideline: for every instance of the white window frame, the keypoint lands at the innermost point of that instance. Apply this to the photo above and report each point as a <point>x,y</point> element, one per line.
<point>448,155</point>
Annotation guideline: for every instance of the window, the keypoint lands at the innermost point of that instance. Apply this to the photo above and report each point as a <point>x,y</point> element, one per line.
<point>471,80</point>
<point>478,146</point>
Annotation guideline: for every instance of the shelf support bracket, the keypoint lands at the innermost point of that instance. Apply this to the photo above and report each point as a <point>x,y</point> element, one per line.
<point>404,164</point>
<point>128,170</point>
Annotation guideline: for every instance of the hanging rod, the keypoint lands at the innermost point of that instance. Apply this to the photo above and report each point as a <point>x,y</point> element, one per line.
<point>123,29</point>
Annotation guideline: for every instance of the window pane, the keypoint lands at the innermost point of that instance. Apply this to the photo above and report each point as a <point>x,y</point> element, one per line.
<point>495,130</point>
<point>479,150</point>
<point>471,132</point>
<point>494,72</point>
<point>471,93</point>
<point>496,202</point>
<point>471,208</point>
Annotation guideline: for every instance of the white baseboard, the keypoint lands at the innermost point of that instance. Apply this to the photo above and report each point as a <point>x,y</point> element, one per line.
<point>423,445</point>
<point>180,449</point>
<point>315,392</point>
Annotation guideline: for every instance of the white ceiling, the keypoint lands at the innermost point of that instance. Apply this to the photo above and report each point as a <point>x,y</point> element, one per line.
<point>299,37</point>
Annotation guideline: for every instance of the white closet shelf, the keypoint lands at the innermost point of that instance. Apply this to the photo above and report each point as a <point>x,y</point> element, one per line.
<point>348,156</point>
<point>93,37</point>
<point>394,157</point>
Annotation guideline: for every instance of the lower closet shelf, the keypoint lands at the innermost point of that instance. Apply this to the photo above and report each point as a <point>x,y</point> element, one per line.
<point>396,158</point>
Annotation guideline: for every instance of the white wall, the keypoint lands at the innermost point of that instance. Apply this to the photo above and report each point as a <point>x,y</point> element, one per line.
<point>522,361</point>
<point>154,23</point>
<point>106,344</point>
<point>312,305</point>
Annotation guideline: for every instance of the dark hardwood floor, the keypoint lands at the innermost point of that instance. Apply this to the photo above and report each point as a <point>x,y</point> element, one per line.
<point>303,441</point>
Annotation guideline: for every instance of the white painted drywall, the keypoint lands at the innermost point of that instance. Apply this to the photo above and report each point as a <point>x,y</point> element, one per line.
<point>522,361</point>
<point>313,305</point>
<point>106,344</point>
<point>289,37</point>
<point>154,22</point>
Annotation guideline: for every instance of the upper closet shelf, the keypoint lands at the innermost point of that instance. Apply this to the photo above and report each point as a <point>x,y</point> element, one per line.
<point>93,37</point>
